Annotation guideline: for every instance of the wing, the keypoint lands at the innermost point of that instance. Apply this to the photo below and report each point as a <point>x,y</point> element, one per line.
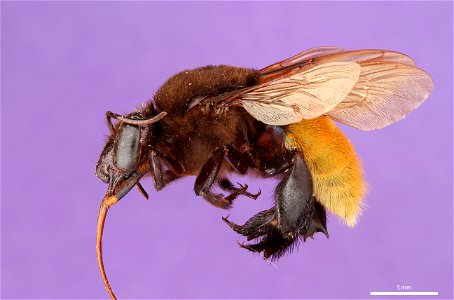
<point>304,95</point>
<point>325,80</point>
<point>386,92</point>
<point>366,55</point>
<point>390,86</point>
<point>302,57</point>
<point>316,56</point>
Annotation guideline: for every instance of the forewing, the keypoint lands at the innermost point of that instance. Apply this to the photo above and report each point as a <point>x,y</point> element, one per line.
<point>367,55</point>
<point>386,92</point>
<point>304,95</point>
<point>317,56</point>
<point>302,57</point>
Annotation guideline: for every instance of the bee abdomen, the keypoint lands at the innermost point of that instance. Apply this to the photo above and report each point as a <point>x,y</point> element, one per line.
<point>335,168</point>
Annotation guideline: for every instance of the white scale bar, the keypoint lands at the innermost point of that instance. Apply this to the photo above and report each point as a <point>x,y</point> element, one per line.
<point>404,293</point>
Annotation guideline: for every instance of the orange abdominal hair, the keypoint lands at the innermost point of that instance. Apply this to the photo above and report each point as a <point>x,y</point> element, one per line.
<point>336,170</point>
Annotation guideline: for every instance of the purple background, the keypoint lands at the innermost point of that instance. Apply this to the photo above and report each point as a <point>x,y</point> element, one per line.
<point>65,64</point>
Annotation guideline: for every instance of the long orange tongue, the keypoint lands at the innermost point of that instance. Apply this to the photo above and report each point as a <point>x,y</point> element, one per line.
<point>107,202</point>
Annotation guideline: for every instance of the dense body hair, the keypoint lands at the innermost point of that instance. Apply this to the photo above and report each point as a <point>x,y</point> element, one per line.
<point>178,90</point>
<point>214,120</point>
<point>336,170</point>
<point>189,135</point>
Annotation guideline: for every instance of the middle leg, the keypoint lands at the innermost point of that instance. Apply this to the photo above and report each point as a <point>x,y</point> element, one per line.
<point>228,186</point>
<point>209,173</point>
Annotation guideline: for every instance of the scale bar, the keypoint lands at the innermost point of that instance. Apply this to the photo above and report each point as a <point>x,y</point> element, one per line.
<point>404,293</point>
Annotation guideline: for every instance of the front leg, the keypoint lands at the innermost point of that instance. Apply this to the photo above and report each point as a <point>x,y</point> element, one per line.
<point>160,177</point>
<point>209,172</point>
<point>296,213</point>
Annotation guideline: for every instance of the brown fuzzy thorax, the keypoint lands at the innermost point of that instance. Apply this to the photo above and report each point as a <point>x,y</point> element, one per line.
<point>190,136</point>
<point>179,89</point>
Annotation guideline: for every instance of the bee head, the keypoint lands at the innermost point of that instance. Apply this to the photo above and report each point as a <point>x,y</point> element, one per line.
<point>123,161</point>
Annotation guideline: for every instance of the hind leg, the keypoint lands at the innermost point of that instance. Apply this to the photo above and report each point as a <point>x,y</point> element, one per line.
<point>296,214</point>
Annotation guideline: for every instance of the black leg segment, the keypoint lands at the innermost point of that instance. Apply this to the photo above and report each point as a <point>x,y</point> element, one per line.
<point>294,197</point>
<point>209,172</point>
<point>228,186</point>
<point>296,213</point>
<point>160,176</point>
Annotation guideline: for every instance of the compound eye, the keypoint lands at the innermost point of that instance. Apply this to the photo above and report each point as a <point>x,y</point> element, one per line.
<point>105,162</point>
<point>127,147</point>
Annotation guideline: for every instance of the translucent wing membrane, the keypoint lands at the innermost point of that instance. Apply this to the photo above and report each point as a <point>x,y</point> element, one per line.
<point>316,56</point>
<point>385,93</point>
<point>366,89</point>
<point>304,95</point>
<point>367,55</point>
<point>322,55</point>
<point>302,57</point>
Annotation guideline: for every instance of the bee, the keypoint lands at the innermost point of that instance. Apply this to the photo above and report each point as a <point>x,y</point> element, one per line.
<point>279,121</point>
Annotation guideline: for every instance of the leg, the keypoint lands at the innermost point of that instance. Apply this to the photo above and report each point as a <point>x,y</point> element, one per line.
<point>209,173</point>
<point>278,164</point>
<point>226,185</point>
<point>295,214</point>
<point>160,177</point>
